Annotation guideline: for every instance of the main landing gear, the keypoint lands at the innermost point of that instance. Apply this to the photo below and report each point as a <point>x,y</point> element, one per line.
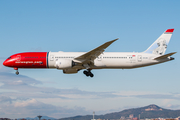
<point>88,73</point>
<point>17,72</point>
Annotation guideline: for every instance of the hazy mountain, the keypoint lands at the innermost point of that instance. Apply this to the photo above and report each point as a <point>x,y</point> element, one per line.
<point>151,111</point>
<point>43,117</point>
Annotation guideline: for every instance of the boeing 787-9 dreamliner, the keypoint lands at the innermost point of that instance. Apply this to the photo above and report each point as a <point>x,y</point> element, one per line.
<point>72,62</point>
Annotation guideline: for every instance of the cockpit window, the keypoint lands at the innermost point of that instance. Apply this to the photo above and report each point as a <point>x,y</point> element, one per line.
<point>9,57</point>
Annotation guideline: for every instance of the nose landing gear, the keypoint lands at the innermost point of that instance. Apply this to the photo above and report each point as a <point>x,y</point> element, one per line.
<point>88,73</point>
<point>17,72</point>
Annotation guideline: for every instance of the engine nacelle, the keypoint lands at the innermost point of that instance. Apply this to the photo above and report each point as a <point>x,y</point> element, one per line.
<point>64,64</point>
<point>69,71</point>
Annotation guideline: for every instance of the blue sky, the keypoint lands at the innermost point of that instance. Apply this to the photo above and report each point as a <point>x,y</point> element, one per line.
<point>81,26</point>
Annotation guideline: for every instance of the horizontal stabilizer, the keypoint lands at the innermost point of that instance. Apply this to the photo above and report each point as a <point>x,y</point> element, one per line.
<point>164,56</point>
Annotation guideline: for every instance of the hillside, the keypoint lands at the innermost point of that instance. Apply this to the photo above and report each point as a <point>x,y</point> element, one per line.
<point>151,111</point>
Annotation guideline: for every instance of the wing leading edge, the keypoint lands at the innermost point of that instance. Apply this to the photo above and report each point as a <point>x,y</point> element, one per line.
<point>90,56</point>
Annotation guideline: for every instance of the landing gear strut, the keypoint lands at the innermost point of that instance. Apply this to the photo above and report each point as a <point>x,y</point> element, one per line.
<point>88,73</point>
<point>17,73</point>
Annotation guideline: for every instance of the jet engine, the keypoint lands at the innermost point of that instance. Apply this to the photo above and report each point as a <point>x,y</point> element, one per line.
<point>64,64</point>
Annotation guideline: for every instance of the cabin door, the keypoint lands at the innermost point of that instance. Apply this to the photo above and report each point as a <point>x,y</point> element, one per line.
<point>139,58</point>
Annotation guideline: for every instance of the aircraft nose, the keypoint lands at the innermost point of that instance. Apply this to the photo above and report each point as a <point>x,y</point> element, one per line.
<point>8,62</point>
<point>5,63</point>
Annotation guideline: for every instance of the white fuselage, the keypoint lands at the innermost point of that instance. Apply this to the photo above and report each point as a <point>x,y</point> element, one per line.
<point>109,60</point>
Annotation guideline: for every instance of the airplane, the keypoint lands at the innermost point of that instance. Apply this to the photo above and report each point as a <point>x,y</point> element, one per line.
<point>72,62</point>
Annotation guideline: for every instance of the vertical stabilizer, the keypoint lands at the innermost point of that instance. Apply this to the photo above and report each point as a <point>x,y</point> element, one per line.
<point>160,45</point>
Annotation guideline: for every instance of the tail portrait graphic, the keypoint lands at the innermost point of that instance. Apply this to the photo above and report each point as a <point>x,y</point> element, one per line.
<point>160,45</point>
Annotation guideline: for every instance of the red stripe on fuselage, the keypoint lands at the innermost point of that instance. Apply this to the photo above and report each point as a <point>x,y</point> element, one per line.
<point>27,60</point>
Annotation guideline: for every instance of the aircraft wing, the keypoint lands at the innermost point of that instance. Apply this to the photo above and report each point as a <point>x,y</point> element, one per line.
<point>90,56</point>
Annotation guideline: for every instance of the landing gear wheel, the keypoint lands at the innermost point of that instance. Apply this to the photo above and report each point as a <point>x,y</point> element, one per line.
<point>91,75</point>
<point>85,72</point>
<point>17,73</point>
<point>88,73</point>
